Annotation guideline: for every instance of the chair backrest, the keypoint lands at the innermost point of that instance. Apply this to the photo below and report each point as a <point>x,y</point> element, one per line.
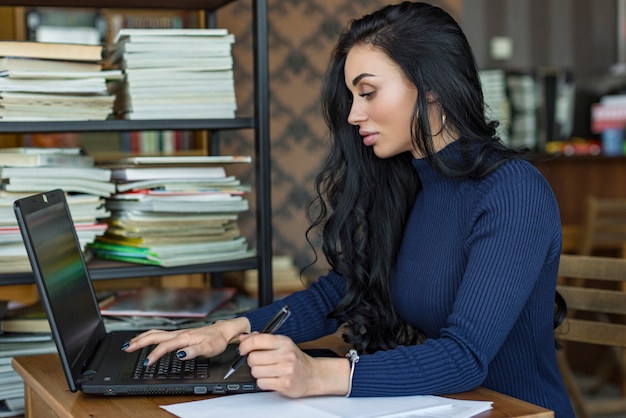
<point>604,226</point>
<point>593,284</point>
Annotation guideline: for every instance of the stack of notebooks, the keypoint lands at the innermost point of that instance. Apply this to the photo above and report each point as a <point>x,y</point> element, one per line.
<point>171,211</point>
<point>175,73</point>
<point>46,81</point>
<point>26,171</point>
<point>24,330</point>
<point>11,384</point>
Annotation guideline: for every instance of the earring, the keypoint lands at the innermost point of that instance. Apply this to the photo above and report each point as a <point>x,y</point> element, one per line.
<point>443,119</point>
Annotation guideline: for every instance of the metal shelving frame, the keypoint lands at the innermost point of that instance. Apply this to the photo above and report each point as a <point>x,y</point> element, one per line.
<point>102,270</point>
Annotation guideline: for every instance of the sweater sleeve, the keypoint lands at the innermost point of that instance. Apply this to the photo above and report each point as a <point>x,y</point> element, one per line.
<point>310,308</point>
<point>510,235</point>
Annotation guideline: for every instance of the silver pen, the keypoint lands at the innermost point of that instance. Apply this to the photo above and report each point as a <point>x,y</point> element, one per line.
<point>271,327</point>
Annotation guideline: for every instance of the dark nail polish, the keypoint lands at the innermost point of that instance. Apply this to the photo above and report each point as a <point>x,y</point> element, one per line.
<point>125,345</point>
<point>145,362</point>
<point>181,354</point>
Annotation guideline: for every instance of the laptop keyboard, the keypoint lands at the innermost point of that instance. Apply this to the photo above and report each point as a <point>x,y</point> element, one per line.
<point>170,367</point>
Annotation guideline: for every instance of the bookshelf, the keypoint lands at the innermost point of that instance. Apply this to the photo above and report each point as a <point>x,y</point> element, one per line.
<point>259,122</point>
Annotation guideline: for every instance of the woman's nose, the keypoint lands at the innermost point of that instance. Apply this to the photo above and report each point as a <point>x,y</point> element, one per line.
<point>356,115</point>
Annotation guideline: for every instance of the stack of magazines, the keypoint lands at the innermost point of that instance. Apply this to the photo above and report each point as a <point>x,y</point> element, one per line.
<point>47,81</point>
<point>171,211</point>
<point>27,171</point>
<point>175,73</point>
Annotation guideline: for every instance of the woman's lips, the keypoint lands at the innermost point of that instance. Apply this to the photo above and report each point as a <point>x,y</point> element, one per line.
<point>368,138</point>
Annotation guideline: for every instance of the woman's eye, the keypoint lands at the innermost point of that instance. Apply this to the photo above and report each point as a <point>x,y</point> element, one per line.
<point>366,94</point>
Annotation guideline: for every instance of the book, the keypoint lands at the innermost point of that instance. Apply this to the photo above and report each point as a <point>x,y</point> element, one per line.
<point>90,173</point>
<point>162,61</point>
<point>188,73</point>
<point>128,51</point>
<point>41,150</point>
<point>93,85</point>
<point>51,50</point>
<point>32,113</point>
<point>191,204</point>
<point>7,199</point>
<point>215,88</point>
<point>15,159</point>
<point>178,184</point>
<point>172,253</point>
<point>60,102</point>
<point>128,233</point>
<point>170,172</point>
<point>168,302</point>
<point>89,228</point>
<point>180,113</point>
<point>78,185</point>
<point>29,318</point>
<point>209,48</point>
<point>179,97</point>
<point>166,239</point>
<point>146,218</point>
<point>186,159</point>
<point>43,74</point>
<point>144,35</point>
<point>34,64</point>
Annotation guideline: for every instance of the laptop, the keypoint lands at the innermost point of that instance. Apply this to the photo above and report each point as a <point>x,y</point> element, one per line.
<point>92,359</point>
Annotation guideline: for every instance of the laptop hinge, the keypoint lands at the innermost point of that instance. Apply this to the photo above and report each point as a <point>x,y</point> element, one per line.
<point>92,365</point>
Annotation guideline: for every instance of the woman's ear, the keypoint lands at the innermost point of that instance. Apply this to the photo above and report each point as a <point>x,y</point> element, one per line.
<point>431,97</point>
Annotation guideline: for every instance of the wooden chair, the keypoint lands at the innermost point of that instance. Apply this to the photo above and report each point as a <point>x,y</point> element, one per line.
<point>588,284</point>
<point>604,226</point>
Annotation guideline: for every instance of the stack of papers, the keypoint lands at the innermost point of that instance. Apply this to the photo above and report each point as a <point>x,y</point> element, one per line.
<point>176,73</point>
<point>272,405</point>
<point>48,81</point>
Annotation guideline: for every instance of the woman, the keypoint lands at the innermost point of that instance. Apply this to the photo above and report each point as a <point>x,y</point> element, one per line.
<point>444,244</point>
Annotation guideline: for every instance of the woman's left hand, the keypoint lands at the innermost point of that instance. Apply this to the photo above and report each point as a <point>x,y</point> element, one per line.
<point>279,365</point>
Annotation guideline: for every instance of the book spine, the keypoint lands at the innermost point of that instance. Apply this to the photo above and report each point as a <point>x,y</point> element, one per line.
<point>65,160</point>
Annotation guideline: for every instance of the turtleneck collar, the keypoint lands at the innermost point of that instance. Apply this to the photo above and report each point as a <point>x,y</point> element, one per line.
<point>425,168</point>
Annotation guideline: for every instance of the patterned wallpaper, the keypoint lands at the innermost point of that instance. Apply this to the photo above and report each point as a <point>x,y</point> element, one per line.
<point>301,36</point>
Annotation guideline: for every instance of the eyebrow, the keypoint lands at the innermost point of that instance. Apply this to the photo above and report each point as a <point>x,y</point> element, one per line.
<point>360,77</point>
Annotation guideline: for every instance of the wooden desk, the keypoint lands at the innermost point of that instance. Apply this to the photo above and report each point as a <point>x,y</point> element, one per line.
<point>47,395</point>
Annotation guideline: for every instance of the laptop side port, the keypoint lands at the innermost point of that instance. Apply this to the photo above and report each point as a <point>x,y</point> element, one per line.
<point>219,389</point>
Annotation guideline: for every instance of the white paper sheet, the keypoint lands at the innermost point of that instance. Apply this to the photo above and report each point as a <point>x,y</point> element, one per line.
<point>273,405</point>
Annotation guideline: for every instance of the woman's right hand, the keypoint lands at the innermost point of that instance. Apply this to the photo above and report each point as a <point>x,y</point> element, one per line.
<point>205,341</point>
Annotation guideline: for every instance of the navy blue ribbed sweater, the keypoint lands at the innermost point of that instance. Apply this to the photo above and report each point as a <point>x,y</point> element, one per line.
<point>477,273</point>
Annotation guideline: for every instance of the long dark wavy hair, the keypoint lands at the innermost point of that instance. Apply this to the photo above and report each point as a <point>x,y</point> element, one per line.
<point>362,202</point>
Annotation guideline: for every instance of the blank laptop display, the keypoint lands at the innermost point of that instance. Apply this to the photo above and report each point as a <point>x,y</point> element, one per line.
<point>92,359</point>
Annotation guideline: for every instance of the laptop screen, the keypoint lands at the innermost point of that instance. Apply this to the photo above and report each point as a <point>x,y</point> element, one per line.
<point>50,238</point>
